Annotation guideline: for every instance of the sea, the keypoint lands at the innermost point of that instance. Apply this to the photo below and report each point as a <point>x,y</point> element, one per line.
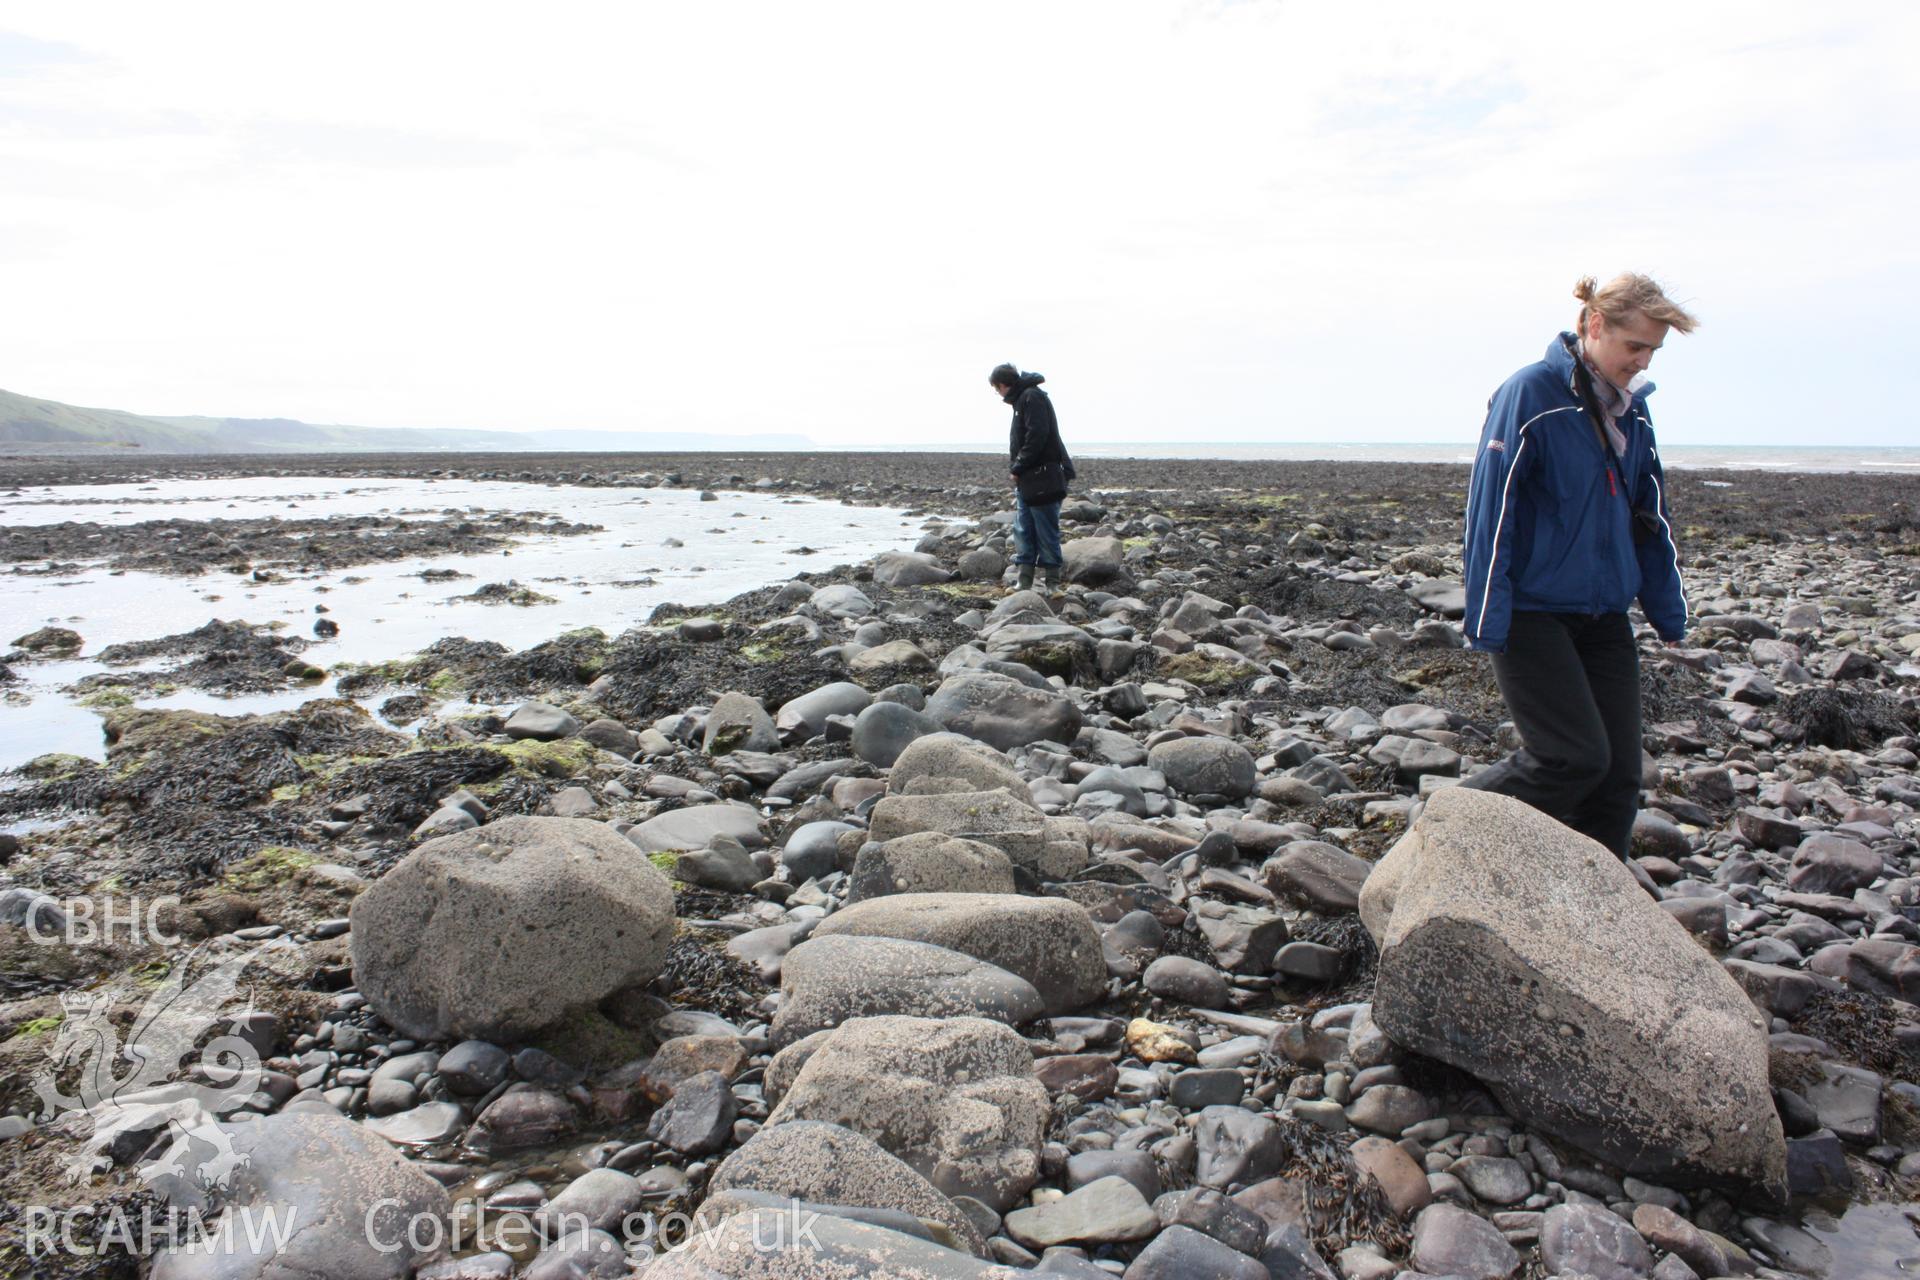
<point>1886,459</point>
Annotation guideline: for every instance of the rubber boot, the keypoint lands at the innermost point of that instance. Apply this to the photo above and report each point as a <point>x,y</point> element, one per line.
<point>1050,579</point>
<point>1026,578</point>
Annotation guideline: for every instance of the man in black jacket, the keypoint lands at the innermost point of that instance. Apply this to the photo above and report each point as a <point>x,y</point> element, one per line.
<point>1040,469</point>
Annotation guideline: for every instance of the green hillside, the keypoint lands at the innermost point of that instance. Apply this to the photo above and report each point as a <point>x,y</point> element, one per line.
<point>29,425</point>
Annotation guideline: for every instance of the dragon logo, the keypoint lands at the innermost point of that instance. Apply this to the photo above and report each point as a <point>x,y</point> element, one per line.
<point>125,1095</point>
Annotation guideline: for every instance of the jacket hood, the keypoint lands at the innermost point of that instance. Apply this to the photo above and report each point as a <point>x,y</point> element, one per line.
<point>1027,382</point>
<point>1560,357</point>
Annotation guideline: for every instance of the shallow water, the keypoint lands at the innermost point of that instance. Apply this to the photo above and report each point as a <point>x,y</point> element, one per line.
<point>613,579</point>
<point>1881,1241</point>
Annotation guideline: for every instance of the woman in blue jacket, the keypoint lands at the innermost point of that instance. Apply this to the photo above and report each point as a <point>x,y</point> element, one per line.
<point>1567,524</point>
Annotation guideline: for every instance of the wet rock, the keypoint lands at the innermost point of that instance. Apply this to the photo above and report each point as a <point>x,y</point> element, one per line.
<point>541,722</point>
<point>1570,1025</point>
<point>982,564</point>
<point>611,735</point>
<point>523,1116</point>
<point>885,729</point>
<point>684,1057</point>
<point>1449,1241</point>
<point>956,1098</point>
<point>1236,1147</point>
<point>1104,1212</point>
<point>1309,961</point>
<point>1186,981</point>
<point>696,826</point>
<point>1205,1210</point>
<point>352,1192</point>
<point>57,642</point>
<point>1324,876</point>
<point>1667,1230</point>
<point>831,1246</point>
<point>1399,1175</point>
<point>1847,1100</point>
<point>471,935</point>
<point>1002,712</point>
<point>1050,942</point>
<point>40,913</point>
<point>999,818</point>
<point>1767,830</point>
<point>842,600</point>
<point>1093,562</point>
<point>825,981</point>
<point>805,717</point>
<point>1390,1109</point>
<point>698,1119</point>
<point>738,723</point>
<point>1209,1087</point>
<point>1205,766</point>
<point>908,569</point>
<point>725,866</point>
<point>581,1255</point>
<point>1242,939</point>
<point>596,1200</point>
<point>1582,1240</point>
<point>1492,1179</point>
<point>950,762</point>
<point>890,660</point>
<point>473,1068</point>
<point>813,850</point>
<point>1441,596</point>
<point>421,1126</point>
<point>928,862</point>
<point>1180,1252</point>
<point>826,1163</point>
<point>1833,864</point>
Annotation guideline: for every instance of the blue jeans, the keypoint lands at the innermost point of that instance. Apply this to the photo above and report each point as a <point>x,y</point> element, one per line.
<point>1036,533</point>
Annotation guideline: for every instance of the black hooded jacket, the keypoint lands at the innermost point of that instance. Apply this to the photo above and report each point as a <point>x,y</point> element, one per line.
<point>1035,437</point>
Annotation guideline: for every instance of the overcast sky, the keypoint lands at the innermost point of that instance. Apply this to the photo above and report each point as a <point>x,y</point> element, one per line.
<point>1202,221</point>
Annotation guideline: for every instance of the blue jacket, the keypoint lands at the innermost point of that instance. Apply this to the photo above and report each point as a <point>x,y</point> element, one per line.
<point>1548,527</point>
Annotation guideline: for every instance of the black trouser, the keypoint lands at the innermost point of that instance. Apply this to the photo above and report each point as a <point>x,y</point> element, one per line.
<point>1572,685</point>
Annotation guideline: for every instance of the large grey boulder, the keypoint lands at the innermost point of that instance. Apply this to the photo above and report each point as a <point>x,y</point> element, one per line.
<point>895,659</point>
<point>340,1192</point>
<point>696,826</point>
<point>1093,562</point>
<point>825,981</point>
<point>1050,942</point>
<point>1525,953</point>
<point>738,723</point>
<point>951,762</point>
<point>806,716</point>
<point>491,933</point>
<point>1002,712</point>
<point>737,1248</point>
<point>1050,849</point>
<point>828,1163</point>
<point>541,722</point>
<point>1051,648</point>
<point>929,862</point>
<point>886,729</point>
<point>908,569</point>
<point>1205,766</point>
<point>842,600</point>
<point>955,1098</point>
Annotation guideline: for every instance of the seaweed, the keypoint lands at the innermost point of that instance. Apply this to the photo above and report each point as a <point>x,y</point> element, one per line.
<point>1850,719</point>
<point>1861,1027</point>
